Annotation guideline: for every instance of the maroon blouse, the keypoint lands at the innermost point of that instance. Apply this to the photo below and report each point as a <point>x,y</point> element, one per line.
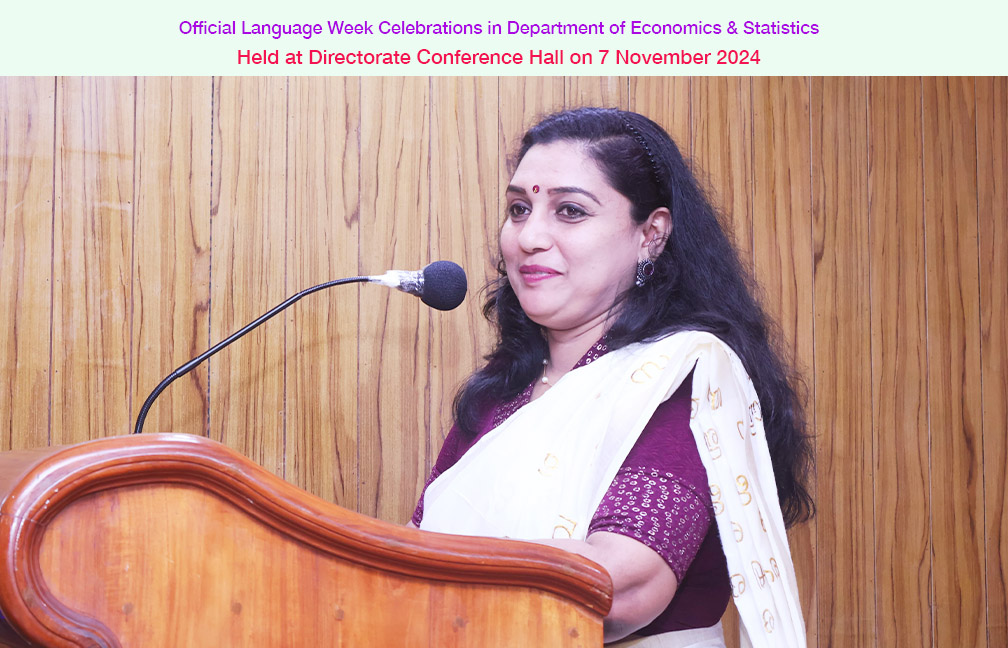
<point>660,497</point>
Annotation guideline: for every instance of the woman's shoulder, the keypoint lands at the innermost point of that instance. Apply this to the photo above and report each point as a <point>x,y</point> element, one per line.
<point>688,345</point>
<point>667,444</point>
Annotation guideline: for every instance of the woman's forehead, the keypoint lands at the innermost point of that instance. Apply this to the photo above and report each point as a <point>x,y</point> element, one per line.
<point>558,164</point>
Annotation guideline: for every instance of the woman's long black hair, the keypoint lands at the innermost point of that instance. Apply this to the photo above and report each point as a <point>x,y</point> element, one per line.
<point>698,284</point>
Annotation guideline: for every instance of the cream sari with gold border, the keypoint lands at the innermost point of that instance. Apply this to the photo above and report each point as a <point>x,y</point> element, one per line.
<point>543,472</point>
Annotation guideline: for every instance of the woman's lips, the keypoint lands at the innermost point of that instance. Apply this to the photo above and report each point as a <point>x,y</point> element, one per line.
<point>535,273</point>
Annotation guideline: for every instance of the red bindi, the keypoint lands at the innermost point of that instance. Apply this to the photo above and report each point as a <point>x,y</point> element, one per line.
<point>535,188</point>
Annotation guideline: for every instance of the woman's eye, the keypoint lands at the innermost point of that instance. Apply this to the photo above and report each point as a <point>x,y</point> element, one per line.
<point>517,211</point>
<point>571,212</point>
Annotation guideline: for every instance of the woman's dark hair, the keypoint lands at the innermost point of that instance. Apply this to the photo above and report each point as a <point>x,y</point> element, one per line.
<point>698,284</point>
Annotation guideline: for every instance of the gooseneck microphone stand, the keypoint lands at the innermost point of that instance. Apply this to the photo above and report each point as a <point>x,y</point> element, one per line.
<point>192,364</point>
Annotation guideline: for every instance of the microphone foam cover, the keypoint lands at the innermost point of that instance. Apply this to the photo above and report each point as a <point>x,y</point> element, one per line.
<point>444,285</point>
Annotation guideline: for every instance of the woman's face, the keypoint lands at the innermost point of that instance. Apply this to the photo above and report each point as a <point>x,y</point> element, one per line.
<point>569,245</point>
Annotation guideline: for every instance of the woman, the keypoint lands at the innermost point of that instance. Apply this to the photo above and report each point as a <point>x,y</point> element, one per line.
<point>616,417</point>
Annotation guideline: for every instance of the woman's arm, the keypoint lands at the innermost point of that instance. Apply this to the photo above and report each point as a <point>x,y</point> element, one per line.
<point>643,583</point>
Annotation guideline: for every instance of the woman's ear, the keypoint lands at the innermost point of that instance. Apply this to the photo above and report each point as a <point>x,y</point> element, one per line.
<point>656,231</point>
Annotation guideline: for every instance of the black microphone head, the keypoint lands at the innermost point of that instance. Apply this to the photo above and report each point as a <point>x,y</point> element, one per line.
<point>444,285</point>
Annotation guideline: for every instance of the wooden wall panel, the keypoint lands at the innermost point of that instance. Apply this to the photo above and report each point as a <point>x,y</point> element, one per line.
<point>992,210</point>
<point>666,101</point>
<point>322,242</point>
<point>92,255</point>
<point>465,216</point>
<point>607,92</point>
<point>903,598</point>
<point>842,376</point>
<point>394,330</point>
<point>953,291</point>
<point>782,244</point>
<point>527,101</point>
<point>721,148</point>
<point>247,268</point>
<point>26,222</point>
<point>171,293</point>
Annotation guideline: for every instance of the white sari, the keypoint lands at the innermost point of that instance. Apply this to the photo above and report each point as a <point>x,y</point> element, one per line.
<point>543,472</point>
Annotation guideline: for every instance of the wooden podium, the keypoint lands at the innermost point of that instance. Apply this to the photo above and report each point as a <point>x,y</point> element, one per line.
<point>172,540</point>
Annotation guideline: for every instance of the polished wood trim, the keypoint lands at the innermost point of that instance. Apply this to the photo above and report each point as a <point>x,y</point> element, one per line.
<point>58,477</point>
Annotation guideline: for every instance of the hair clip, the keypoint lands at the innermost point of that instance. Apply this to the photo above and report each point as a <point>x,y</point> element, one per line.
<point>647,149</point>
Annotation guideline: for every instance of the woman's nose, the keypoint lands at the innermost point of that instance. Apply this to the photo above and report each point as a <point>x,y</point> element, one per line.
<point>535,232</point>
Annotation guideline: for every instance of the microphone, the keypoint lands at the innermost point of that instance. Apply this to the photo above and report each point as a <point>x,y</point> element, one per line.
<point>441,285</point>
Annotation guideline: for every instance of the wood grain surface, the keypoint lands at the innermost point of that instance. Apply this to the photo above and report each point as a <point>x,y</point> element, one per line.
<point>145,219</point>
<point>465,217</point>
<point>92,258</point>
<point>666,100</point>
<point>394,332</point>
<point>899,362</point>
<point>171,291</point>
<point>26,234</point>
<point>596,91</point>
<point>953,300</point>
<point>783,256</point>
<point>247,267</point>
<point>322,243</point>
<point>721,145</point>
<point>189,543</point>
<point>992,212</point>
<point>844,526</point>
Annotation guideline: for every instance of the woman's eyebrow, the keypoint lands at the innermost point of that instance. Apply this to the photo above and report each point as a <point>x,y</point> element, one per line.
<point>585,192</point>
<point>556,190</point>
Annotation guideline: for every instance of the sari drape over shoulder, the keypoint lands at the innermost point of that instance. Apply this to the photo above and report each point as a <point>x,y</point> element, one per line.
<point>543,471</point>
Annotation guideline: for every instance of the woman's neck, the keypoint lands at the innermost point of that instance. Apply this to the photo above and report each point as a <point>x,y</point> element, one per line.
<point>566,348</point>
<point>564,353</point>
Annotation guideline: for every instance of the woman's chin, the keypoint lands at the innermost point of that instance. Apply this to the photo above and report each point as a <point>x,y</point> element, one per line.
<point>556,321</point>
<point>538,303</point>
<point>540,317</point>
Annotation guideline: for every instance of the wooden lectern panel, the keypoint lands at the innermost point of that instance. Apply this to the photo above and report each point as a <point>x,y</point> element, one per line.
<point>175,540</point>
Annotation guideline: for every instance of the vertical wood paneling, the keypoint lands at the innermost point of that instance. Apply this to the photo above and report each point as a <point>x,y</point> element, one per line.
<point>607,92</point>
<point>899,366</point>
<point>247,268</point>
<point>782,244</point>
<point>721,148</point>
<point>394,331</point>
<point>465,217</point>
<point>323,157</point>
<point>992,208</point>
<point>953,291</point>
<point>528,100</point>
<point>171,291</point>
<point>666,101</point>
<point>844,531</point>
<point>92,259</point>
<point>26,217</point>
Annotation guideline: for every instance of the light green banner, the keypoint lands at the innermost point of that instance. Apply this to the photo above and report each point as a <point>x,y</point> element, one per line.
<point>859,37</point>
